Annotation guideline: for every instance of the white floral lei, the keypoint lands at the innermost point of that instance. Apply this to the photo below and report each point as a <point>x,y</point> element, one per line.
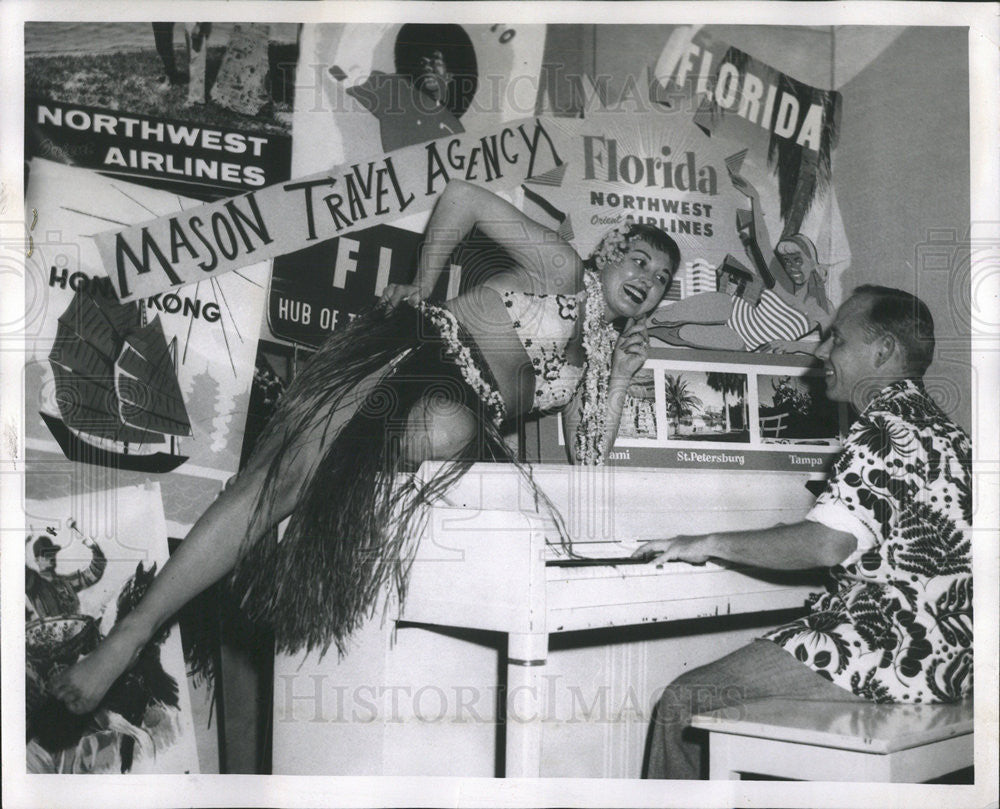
<point>598,345</point>
<point>459,353</point>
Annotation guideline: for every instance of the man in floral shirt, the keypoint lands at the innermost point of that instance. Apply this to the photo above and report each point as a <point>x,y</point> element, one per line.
<point>893,525</point>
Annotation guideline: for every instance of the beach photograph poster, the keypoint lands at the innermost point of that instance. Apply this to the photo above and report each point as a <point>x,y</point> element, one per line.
<point>88,561</point>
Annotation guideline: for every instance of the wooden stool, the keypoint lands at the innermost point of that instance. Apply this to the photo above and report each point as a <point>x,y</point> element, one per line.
<point>838,741</point>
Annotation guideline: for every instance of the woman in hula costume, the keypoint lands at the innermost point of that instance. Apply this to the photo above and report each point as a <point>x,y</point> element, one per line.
<point>407,382</point>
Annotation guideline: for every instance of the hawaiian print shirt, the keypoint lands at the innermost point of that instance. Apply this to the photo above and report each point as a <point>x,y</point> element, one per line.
<point>896,622</point>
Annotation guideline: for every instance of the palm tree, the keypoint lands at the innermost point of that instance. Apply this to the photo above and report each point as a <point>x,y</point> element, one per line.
<point>726,384</point>
<point>679,399</point>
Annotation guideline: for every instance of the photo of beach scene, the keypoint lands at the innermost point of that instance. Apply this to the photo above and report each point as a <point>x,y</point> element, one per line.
<point>795,410</point>
<point>706,406</point>
<point>152,68</point>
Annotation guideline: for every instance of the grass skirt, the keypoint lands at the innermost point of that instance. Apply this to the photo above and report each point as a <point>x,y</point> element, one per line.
<point>356,520</point>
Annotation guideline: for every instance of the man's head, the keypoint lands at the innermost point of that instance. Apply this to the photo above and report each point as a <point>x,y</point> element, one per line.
<point>440,62</point>
<point>45,551</point>
<point>880,335</point>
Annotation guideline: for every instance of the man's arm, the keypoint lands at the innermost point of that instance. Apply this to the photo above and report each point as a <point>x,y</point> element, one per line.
<point>797,546</point>
<point>83,579</point>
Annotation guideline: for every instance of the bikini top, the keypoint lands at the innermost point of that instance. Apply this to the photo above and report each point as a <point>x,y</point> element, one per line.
<point>544,324</point>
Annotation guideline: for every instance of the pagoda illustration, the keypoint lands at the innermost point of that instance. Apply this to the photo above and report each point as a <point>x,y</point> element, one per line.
<point>116,385</point>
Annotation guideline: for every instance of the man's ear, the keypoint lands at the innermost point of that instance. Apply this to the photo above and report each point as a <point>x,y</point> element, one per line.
<point>886,348</point>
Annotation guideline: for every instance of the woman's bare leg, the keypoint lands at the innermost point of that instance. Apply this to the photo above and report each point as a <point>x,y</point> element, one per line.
<point>705,307</point>
<point>436,430</point>
<point>697,335</point>
<point>207,554</point>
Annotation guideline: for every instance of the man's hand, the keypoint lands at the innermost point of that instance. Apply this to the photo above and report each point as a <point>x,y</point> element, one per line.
<point>393,294</point>
<point>694,550</point>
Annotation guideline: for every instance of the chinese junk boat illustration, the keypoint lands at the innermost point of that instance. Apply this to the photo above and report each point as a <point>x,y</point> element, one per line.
<point>116,385</point>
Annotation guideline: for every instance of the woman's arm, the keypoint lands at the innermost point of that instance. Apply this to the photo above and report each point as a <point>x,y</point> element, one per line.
<point>755,239</point>
<point>629,356</point>
<point>547,263</point>
<point>571,423</point>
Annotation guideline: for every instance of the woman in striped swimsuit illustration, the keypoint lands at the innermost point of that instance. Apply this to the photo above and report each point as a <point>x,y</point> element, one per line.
<point>792,305</point>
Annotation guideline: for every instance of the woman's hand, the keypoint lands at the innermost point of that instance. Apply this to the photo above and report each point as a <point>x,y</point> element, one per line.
<point>394,294</point>
<point>631,350</point>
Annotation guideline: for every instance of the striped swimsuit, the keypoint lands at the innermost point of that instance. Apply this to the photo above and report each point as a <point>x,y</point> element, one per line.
<point>771,319</point>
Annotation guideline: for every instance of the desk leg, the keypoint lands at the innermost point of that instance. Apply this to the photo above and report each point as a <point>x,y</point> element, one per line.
<point>526,657</point>
<point>721,760</point>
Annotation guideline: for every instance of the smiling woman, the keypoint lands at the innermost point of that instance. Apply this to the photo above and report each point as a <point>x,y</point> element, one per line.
<point>408,382</point>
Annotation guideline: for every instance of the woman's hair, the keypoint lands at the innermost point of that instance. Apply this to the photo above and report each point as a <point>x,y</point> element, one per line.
<point>652,235</point>
<point>658,239</point>
<point>804,243</point>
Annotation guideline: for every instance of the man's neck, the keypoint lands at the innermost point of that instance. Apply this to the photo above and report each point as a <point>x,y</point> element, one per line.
<point>876,387</point>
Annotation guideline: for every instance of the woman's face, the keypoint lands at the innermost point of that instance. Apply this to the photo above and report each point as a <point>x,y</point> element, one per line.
<point>635,285</point>
<point>797,264</point>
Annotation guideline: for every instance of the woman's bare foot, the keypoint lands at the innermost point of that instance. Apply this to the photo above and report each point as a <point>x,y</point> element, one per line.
<point>83,685</point>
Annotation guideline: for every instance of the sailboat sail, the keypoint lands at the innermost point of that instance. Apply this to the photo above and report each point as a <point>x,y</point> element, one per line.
<point>148,392</point>
<point>116,387</point>
<point>84,405</point>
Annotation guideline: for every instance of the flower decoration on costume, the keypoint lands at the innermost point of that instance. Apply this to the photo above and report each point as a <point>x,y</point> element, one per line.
<point>567,306</point>
<point>459,353</point>
<point>598,345</point>
<point>552,364</point>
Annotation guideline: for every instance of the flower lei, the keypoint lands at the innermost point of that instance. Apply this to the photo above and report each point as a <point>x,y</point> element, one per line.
<point>598,345</point>
<point>459,353</point>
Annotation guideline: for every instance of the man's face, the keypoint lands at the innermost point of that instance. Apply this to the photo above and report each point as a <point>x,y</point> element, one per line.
<point>848,354</point>
<point>433,77</point>
<point>46,562</point>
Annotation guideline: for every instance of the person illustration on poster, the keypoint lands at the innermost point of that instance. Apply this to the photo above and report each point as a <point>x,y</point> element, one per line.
<point>786,301</point>
<point>408,381</point>
<point>50,594</point>
<point>163,37</point>
<point>436,77</point>
<point>135,716</point>
<point>196,44</point>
